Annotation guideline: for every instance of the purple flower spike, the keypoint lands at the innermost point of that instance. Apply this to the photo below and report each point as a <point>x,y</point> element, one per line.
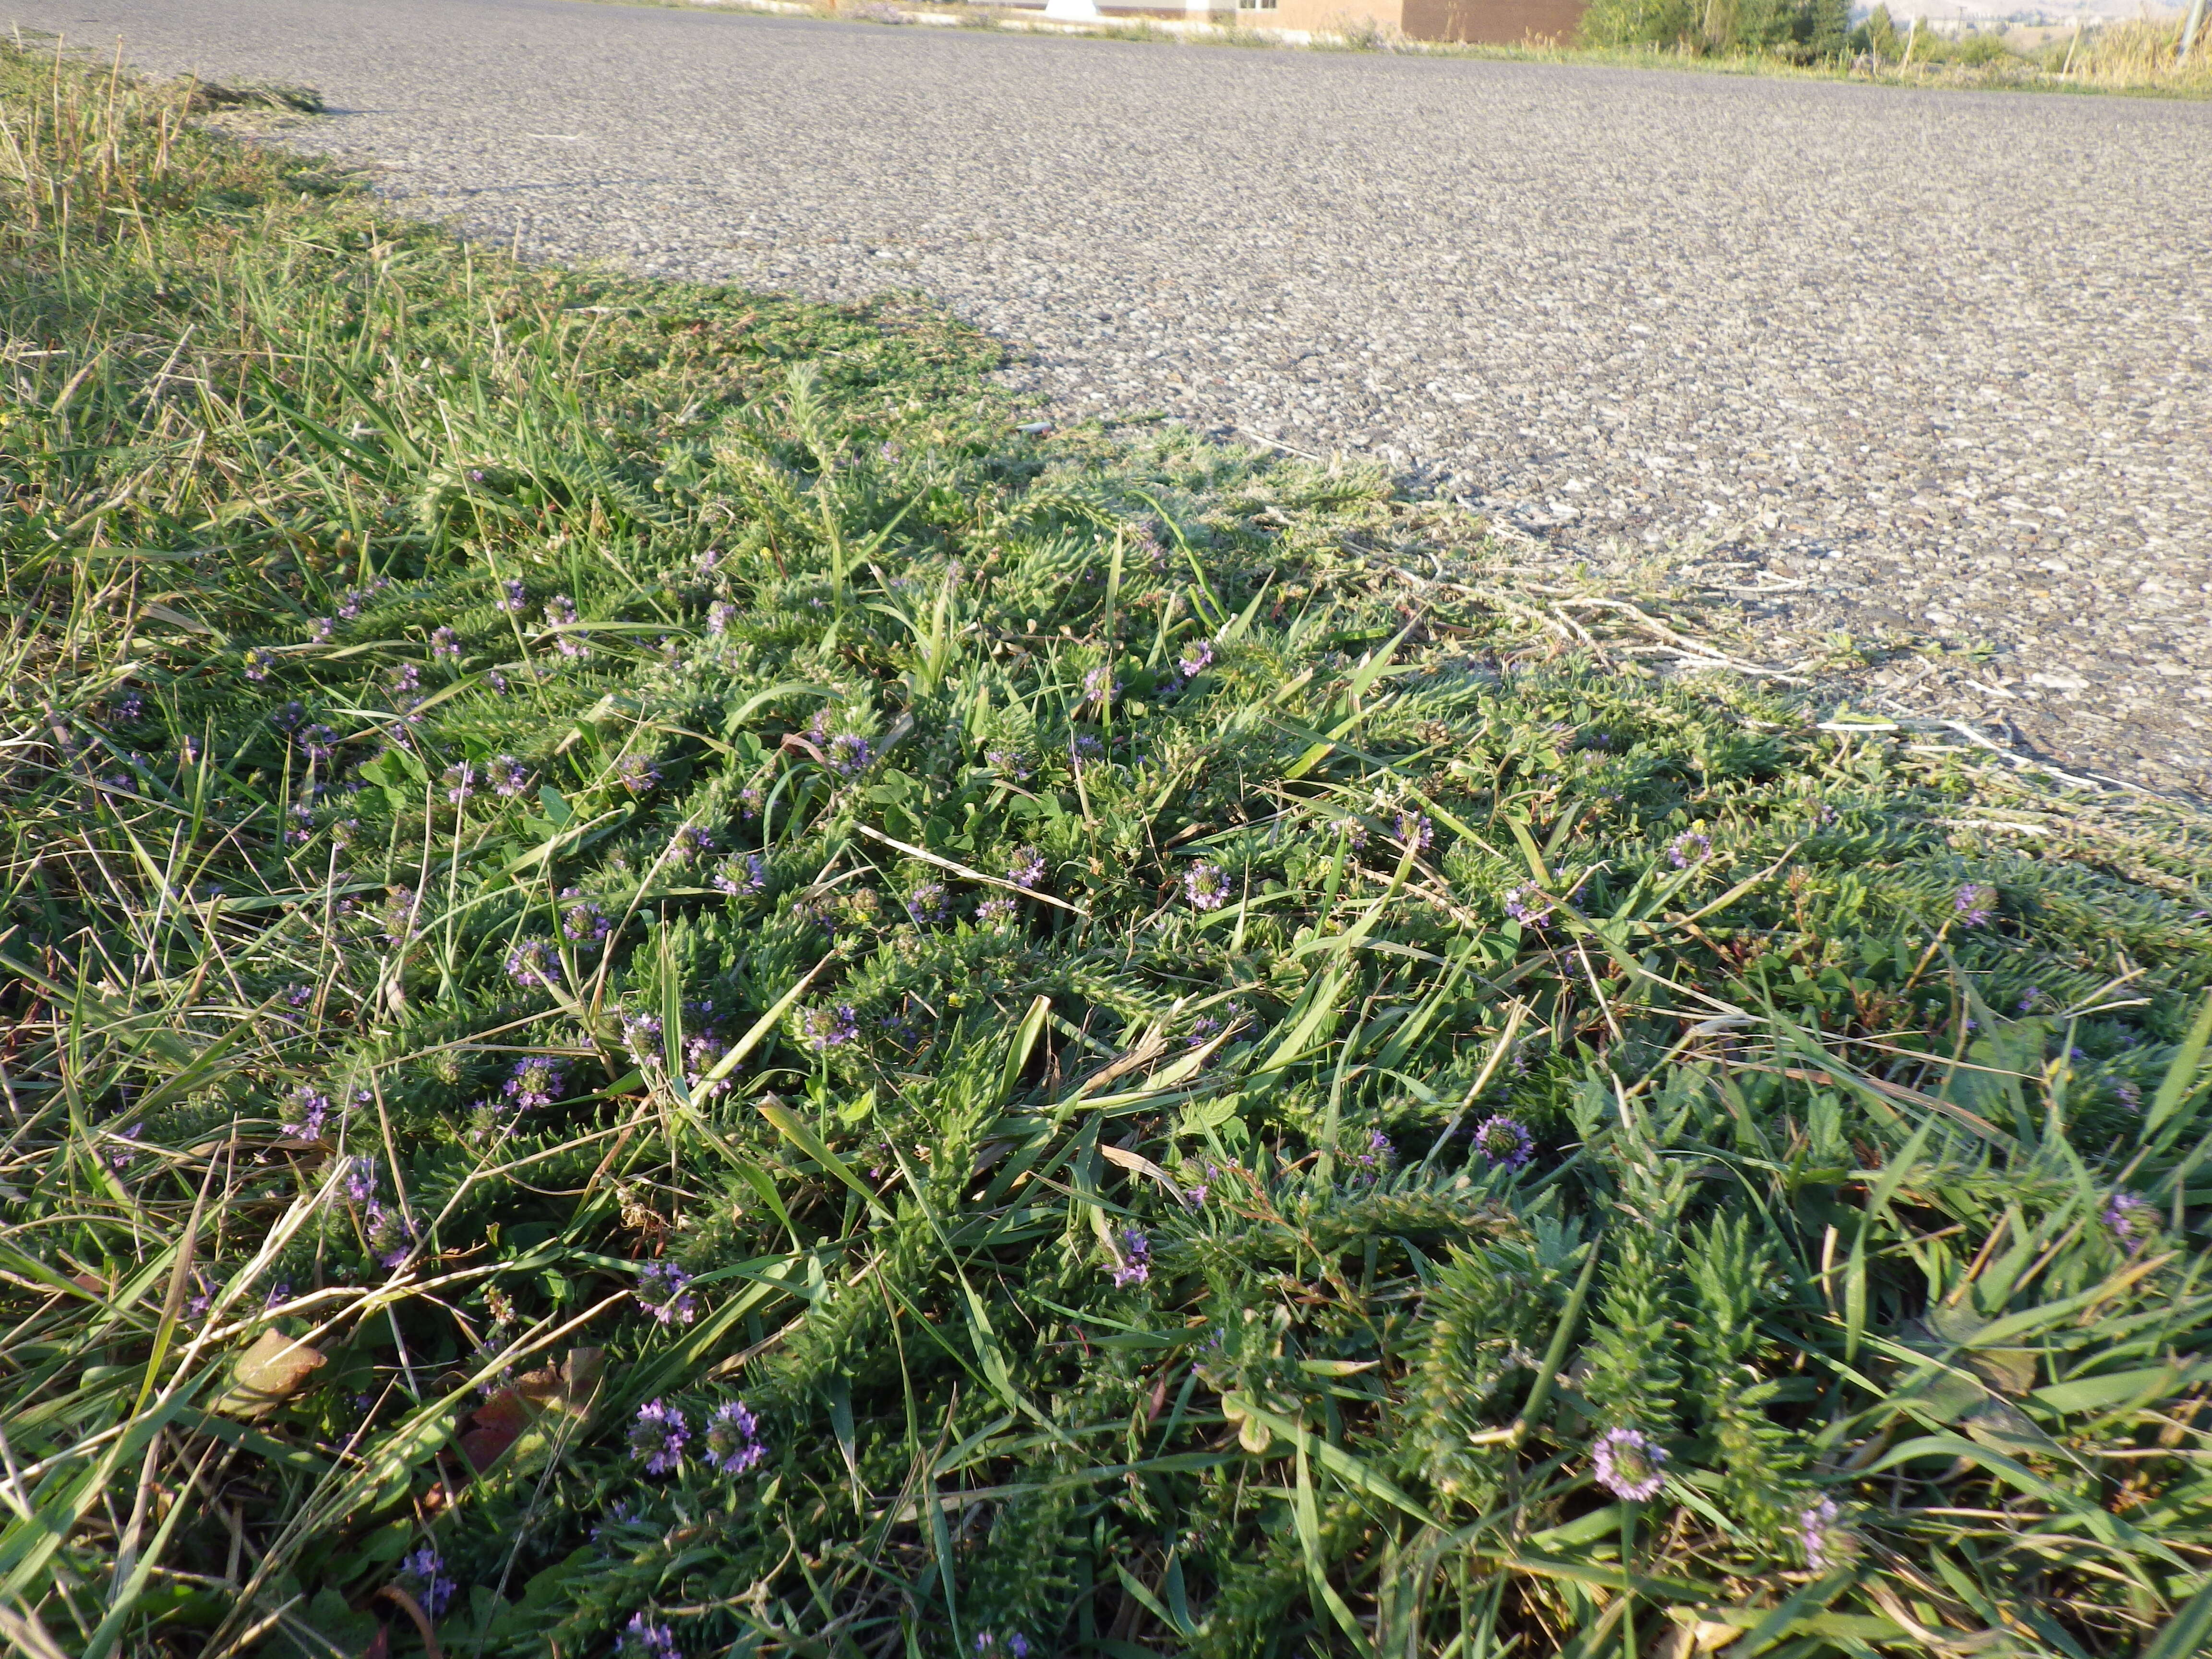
<point>1136,1265</point>
<point>507,775</point>
<point>826,1028</point>
<point>643,1638</point>
<point>1628,1464</point>
<point>741,876</point>
<point>636,774</point>
<point>2132,1221</point>
<point>1974,905</point>
<point>423,1575</point>
<point>1026,868</point>
<point>733,1441</point>
<point>532,964</point>
<point>1527,905</point>
<point>1826,1543</point>
<point>664,1291</point>
<point>849,753</point>
<point>259,661</point>
<point>1686,850</point>
<point>656,1438</point>
<point>1206,885</point>
<point>1505,1140</point>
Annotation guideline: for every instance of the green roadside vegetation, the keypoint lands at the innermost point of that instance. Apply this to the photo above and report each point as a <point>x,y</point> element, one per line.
<point>669,990</point>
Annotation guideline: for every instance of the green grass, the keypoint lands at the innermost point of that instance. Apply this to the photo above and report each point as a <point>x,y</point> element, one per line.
<point>1083,1137</point>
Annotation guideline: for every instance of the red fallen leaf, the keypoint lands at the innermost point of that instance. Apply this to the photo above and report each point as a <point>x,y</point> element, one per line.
<point>502,1420</point>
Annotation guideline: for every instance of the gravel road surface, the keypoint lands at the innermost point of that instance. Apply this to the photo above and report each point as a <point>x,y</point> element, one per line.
<point>1936,363</point>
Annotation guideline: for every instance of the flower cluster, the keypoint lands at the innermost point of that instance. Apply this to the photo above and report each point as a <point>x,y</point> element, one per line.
<point>1688,848</point>
<point>825,1029</point>
<point>1026,868</point>
<point>445,644</point>
<point>259,661</point>
<point>657,1438</point>
<point>506,775</point>
<point>583,922</point>
<point>422,1574</point>
<point>1973,904</point>
<point>1206,885</point>
<point>1826,1543</point>
<point>996,911</point>
<point>636,774</point>
<point>644,1638</point>
<point>2131,1220</point>
<point>512,597</point>
<point>532,964</point>
<point>305,1111</point>
<point>1628,1464</point>
<point>1527,905</point>
<point>1414,830</point>
<point>561,614</point>
<point>537,1081</point>
<point>1135,1266</point>
<point>733,1441</point>
<point>929,902</point>
<point>740,876</point>
<point>849,753</point>
<point>1504,1141</point>
<point>664,1290</point>
<point>691,842</point>
<point>460,782</point>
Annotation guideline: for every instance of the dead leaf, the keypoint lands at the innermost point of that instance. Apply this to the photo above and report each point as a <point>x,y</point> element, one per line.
<point>523,1408</point>
<point>271,1371</point>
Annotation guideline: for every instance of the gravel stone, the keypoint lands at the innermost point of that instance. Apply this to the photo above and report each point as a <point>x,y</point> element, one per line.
<point>1911,364</point>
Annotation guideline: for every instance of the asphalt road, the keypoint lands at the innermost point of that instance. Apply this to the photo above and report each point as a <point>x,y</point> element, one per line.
<point>1913,361</point>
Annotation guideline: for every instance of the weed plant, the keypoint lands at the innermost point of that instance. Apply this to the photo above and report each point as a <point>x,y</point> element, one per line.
<point>669,992</point>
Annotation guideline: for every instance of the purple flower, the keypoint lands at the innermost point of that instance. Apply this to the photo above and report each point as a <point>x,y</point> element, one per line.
<point>691,842</point>
<point>422,1574</point>
<point>928,903</point>
<point>1414,830</point>
<point>825,1028</point>
<point>1016,1644</point>
<point>123,1156</point>
<point>1353,832</point>
<point>1196,660</point>
<point>259,661</point>
<point>305,1111</point>
<point>637,773</point>
<point>996,911</point>
<point>297,995</point>
<point>402,908</point>
<point>1974,903</point>
<point>506,775</point>
<point>537,1081</point>
<point>1380,1154</point>
<point>445,643</point>
<point>130,707</point>
<point>1098,686</point>
<point>460,782</point>
<point>1688,849</point>
<point>1628,1464</point>
<point>1203,1031</point>
<point>719,616</point>
<point>320,743</point>
<point>849,753</point>
<point>1527,905</point>
<point>664,1291</point>
<point>642,1638</point>
<point>733,1441</point>
<point>739,876</point>
<point>323,629</point>
<point>1504,1141</point>
<point>405,677</point>
<point>290,717</point>
<point>2131,1220</point>
<point>1206,885</point>
<point>390,1234</point>
<point>560,611</point>
<point>1826,1543</point>
<point>361,1180</point>
<point>512,596</point>
<point>658,1437</point>
<point>1136,1264</point>
<point>1009,761</point>
<point>583,922</point>
<point>532,964</point>
<point>1026,869</point>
